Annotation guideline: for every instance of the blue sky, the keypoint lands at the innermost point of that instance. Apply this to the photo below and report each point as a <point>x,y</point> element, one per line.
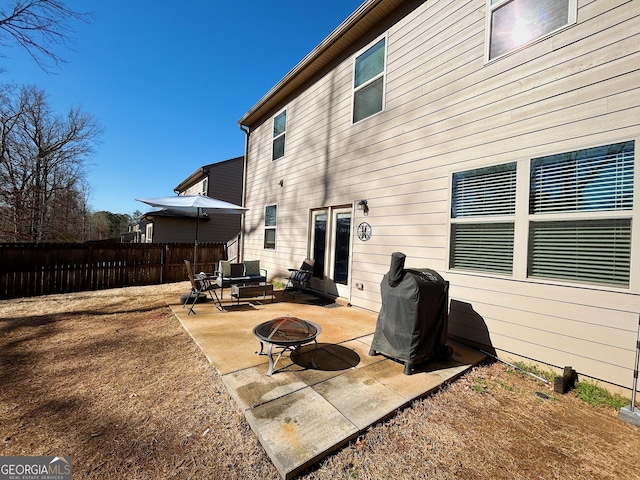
<point>168,80</point>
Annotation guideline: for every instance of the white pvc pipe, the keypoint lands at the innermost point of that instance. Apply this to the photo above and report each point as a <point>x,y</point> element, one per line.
<point>517,368</point>
<point>635,370</point>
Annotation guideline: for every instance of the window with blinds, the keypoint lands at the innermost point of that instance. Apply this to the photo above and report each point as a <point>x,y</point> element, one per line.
<point>484,247</point>
<point>480,241</point>
<point>594,179</point>
<point>581,198</point>
<point>485,191</point>
<point>585,251</point>
<point>578,217</point>
<point>368,82</point>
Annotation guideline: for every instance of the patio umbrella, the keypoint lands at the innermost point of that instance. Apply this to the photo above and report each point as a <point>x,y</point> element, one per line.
<point>196,203</point>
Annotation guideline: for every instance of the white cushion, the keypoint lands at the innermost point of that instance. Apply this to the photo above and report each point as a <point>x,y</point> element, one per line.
<point>225,268</point>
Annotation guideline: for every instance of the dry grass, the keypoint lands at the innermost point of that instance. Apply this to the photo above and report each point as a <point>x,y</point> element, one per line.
<point>111,379</point>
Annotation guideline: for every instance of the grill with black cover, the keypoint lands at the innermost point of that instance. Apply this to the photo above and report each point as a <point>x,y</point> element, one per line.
<point>412,323</point>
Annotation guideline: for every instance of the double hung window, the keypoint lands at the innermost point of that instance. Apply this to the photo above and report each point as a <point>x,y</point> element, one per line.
<point>279,134</point>
<point>270,225</point>
<point>482,219</point>
<point>579,211</point>
<point>368,82</point>
<point>575,222</point>
<point>512,24</point>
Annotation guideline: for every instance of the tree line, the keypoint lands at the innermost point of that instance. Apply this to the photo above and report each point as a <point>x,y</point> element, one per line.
<point>42,160</point>
<point>44,154</point>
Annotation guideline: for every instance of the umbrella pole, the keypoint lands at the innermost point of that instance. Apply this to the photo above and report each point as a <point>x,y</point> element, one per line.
<point>195,246</point>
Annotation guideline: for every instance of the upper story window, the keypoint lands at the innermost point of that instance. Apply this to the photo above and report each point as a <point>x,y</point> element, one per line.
<point>512,24</point>
<point>279,134</point>
<point>368,81</point>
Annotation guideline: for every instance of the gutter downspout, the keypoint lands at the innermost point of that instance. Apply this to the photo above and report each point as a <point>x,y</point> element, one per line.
<point>247,132</point>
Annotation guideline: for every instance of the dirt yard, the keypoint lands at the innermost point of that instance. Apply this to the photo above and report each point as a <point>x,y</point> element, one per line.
<point>111,379</point>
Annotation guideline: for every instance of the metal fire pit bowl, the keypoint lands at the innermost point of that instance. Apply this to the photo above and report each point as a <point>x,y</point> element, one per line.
<point>286,333</point>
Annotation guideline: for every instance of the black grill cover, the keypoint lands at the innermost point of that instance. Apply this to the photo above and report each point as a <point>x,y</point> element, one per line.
<point>412,323</point>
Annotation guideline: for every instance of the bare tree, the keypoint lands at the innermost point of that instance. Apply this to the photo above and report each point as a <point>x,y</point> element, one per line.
<point>39,26</point>
<point>42,160</point>
<point>109,226</point>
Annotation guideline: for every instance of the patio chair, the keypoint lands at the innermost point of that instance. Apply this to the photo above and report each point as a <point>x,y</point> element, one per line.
<point>300,278</point>
<point>200,283</point>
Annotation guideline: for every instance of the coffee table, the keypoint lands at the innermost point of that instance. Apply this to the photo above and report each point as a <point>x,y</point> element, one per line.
<point>287,333</point>
<point>240,290</point>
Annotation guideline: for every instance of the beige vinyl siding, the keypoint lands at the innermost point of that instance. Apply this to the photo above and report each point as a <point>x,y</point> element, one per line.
<point>447,111</point>
<point>195,189</point>
<point>590,329</point>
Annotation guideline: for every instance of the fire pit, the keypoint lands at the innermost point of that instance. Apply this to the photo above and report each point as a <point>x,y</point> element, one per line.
<point>286,333</point>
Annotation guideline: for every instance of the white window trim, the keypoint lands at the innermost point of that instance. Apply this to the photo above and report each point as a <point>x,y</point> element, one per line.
<point>572,20</point>
<point>270,227</point>
<point>489,219</point>
<point>634,276</point>
<point>149,233</point>
<point>382,75</point>
<point>286,127</point>
<point>523,219</point>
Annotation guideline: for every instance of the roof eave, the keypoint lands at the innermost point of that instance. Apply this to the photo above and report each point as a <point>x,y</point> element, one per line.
<point>191,180</point>
<point>347,33</point>
<point>199,174</point>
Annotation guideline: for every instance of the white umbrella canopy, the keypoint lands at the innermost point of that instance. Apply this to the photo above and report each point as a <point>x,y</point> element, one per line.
<point>198,203</point>
<point>193,202</point>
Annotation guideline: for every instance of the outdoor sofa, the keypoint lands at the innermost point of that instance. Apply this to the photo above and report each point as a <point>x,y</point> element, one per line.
<point>247,272</point>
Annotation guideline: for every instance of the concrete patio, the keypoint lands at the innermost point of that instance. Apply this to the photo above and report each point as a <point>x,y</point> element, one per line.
<point>320,397</point>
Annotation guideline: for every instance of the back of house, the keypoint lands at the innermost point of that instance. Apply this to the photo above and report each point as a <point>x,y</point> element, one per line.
<point>490,140</point>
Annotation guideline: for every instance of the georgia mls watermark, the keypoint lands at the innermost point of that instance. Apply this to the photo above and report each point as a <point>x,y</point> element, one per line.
<point>35,468</point>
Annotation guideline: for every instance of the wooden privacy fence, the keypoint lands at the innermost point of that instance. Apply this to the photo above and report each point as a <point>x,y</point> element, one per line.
<point>39,269</point>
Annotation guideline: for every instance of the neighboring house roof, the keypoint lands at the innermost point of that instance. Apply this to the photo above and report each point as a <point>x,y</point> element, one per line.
<point>166,213</point>
<point>199,174</point>
<point>222,180</point>
<point>358,24</point>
